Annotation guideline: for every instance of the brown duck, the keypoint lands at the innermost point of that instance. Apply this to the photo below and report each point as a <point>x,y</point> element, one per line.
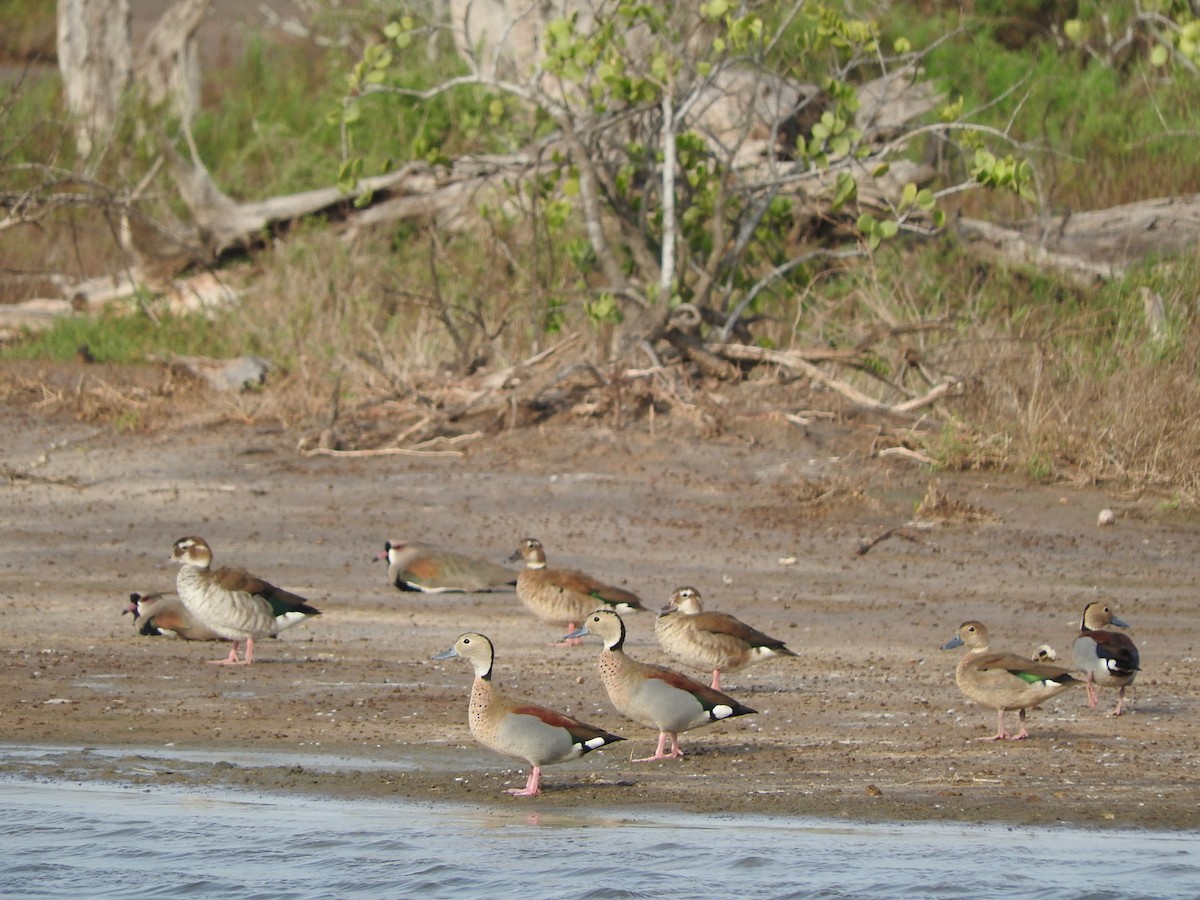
<point>1003,681</point>
<point>712,641</point>
<point>536,734</point>
<point>563,597</point>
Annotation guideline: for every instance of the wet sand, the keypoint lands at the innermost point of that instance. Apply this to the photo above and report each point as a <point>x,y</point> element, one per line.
<point>766,522</point>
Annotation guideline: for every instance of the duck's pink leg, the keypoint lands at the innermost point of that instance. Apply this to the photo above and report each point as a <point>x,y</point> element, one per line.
<point>1120,702</point>
<point>1000,734</point>
<point>676,751</point>
<point>662,745</point>
<point>230,660</point>
<point>533,785</point>
<point>1022,734</point>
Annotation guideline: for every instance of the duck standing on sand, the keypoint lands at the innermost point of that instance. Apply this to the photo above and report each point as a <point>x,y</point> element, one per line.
<point>654,695</point>
<point>536,734</point>
<point>564,597</point>
<point>709,640</point>
<point>1003,681</point>
<point>238,606</point>
<point>1109,658</point>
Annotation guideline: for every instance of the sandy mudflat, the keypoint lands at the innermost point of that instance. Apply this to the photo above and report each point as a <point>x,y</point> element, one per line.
<point>865,724</point>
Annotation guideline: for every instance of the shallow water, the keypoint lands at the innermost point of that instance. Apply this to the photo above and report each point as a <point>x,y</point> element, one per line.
<point>85,840</point>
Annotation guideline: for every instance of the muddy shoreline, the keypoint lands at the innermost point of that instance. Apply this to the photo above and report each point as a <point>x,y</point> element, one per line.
<point>865,725</point>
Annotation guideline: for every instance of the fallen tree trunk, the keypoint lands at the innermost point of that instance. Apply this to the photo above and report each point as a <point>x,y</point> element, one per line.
<point>1093,246</point>
<point>1121,235</point>
<point>1007,245</point>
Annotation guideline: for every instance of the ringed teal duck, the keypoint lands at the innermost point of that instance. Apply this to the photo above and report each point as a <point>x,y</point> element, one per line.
<point>536,734</point>
<point>652,695</point>
<point>1003,681</point>
<point>564,597</point>
<point>712,641</point>
<point>1109,658</point>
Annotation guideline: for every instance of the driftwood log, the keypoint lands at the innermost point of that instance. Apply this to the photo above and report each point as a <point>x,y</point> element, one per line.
<point>1092,246</point>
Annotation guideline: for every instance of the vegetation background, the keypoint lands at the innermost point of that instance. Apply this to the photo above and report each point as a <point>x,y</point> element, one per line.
<point>1058,379</point>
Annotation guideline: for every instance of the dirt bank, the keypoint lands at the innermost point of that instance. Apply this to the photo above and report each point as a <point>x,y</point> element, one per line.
<point>866,723</point>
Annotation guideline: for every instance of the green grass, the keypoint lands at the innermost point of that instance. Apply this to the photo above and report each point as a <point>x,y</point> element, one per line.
<point>1101,133</point>
<point>132,338</point>
<point>1058,381</point>
<point>28,31</point>
<point>271,131</point>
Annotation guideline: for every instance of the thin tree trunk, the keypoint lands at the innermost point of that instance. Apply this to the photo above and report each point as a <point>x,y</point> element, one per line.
<point>96,62</point>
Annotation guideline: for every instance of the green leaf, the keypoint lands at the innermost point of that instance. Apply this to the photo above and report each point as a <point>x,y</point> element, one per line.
<point>1073,29</point>
<point>1158,56</point>
<point>604,310</point>
<point>844,191</point>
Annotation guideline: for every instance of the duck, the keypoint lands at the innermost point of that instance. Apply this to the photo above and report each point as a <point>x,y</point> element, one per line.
<point>654,695</point>
<point>1004,681</point>
<point>711,640</point>
<point>564,597</point>
<point>238,606</point>
<point>1044,653</point>
<point>1109,658</point>
<point>417,566</point>
<point>537,734</point>
<point>163,613</point>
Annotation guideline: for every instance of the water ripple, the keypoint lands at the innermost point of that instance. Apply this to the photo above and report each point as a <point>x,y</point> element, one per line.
<point>68,840</point>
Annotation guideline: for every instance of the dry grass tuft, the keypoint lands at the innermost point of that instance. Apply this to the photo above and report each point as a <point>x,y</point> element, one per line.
<point>937,506</point>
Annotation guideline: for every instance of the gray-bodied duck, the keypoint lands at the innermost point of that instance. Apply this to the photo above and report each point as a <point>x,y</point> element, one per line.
<point>536,734</point>
<point>1109,658</point>
<point>564,597</point>
<point>652,695</point>
<point>417,566</point>
<point>238,606</point>
<point>713,641</point>
<point>1004,681</point>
